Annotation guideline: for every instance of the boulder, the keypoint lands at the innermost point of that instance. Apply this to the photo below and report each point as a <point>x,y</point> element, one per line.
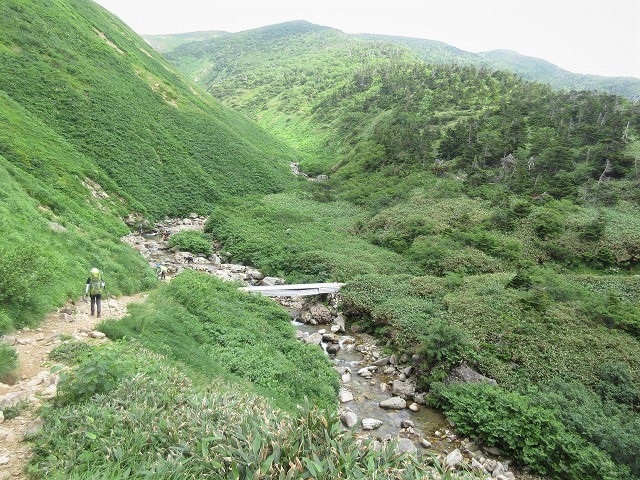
<point>499,469</point>
<point>330,338</point>
<point>406,446</point>
<point>403,389</point>
<point>394,403</point>
<point>271,281</point>
<point>382,362</point>
<point>333,348</point>
<point>465,374</point>
<point>424,443</point>
<point>316,313</point>
<point>407,424</point>
<point>345,396</point>
<point>349,419</point>
<point>414,407</point>
<point>314,339</point>
<point>371,423</point>
<point>453,459</point>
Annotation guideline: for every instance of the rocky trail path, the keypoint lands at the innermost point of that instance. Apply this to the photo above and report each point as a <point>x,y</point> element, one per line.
<point>34,381</point>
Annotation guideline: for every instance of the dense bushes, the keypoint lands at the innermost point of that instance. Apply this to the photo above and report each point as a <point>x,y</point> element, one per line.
<point>192,241</point>
<point>212,329</point>
<point>532,434</point>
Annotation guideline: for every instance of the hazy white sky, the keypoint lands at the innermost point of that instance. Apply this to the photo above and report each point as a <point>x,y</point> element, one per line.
<point>583,36</point>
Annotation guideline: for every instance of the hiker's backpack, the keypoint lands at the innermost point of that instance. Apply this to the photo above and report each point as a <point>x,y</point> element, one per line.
<point>95,283</point>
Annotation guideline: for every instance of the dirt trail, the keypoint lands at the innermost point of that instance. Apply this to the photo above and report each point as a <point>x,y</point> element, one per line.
<point>34,380</point>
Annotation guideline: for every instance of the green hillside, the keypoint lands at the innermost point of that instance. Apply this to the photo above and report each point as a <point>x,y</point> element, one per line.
<point>535,69</point>
<point>94,125</point>
<point>433,51</point>
<point>492,220</point>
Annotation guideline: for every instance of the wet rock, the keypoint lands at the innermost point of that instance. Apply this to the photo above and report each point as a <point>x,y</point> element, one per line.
<point>424,443</point>
<point>465,374</point>
<point>333,348</point>
<point>403,389</point>
<point>349,419</point>
<point>406,446</point>
<point>346,377</point>
<point>414,407</point>
<point>420,398</point>
<point>407,424</point>
<point>394,403</point>
<point>330,338</point>
<point>382,362</point>
<point>371,423</point>
<point>314,339</point>
<point>453,459</point>
<point>345,396</point>
<point>366,372</point>
<point>316,313</point>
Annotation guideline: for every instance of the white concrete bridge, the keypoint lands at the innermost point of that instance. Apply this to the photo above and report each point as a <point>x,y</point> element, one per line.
<point>299,290</point>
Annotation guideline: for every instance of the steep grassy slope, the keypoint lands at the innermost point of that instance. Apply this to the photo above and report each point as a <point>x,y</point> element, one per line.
<point>93,125</point>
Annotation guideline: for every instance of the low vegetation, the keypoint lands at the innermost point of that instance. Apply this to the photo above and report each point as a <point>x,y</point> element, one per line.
<point>192,241</point>
<point>213,330</point>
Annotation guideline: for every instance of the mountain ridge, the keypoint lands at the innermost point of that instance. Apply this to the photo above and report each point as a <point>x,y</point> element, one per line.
<point>441,52</point>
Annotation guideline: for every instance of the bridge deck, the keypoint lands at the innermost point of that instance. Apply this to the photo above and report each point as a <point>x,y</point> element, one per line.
<point>300,290</point>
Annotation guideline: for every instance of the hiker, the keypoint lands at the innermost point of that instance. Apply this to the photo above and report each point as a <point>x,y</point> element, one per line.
<point>95,287</point>
<point>161,271</point>
<point>165,235</point>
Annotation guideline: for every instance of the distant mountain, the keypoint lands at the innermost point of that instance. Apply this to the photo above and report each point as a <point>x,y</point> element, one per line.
<point>431,51</point>
<point>536,69</point>
<point>165,43</point>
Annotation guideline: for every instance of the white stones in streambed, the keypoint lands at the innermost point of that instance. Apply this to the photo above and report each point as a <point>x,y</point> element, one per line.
<point>345,396</point>
<point>367,372</point>
<point>371,423</point>
<point>406,445</point>
<point>394,403</point>
<point>349,419</point>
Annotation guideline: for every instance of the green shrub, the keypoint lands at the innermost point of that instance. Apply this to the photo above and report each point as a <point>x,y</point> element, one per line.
<point>98,374</point>
<point>532,434</point>
<point>8,359</point>
<point>6,324</point>
<point>192,241</point>
<point>71,353</point>
<point>211,329</point>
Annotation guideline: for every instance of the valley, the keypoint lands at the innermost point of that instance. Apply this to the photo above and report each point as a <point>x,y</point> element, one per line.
<point>486,228</point>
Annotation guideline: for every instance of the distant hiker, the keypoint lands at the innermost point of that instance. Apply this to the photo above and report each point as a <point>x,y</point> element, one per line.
<point>140,228</point>
<point>188,259</point>
<point>95,287</point>
<point>161,271</point>
<point>165,235</point>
